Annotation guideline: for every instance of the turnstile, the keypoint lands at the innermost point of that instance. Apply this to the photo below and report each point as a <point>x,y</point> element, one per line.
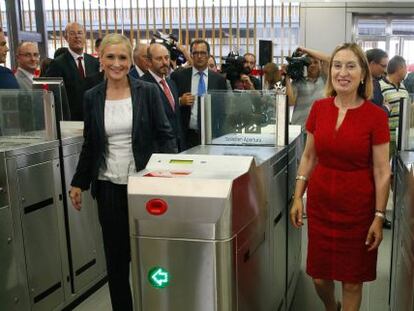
<point>33,248</point>
<point>208,232</point>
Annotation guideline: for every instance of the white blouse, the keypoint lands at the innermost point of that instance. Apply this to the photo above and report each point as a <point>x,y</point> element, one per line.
<point>119,159</point>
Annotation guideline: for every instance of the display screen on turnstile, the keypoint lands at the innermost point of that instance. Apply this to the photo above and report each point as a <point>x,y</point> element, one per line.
<point>180,161</point>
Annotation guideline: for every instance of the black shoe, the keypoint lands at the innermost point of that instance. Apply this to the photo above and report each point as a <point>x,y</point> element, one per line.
<point>387,224</point>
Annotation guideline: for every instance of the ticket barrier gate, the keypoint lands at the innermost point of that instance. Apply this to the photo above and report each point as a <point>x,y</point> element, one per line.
<point>197,228</point>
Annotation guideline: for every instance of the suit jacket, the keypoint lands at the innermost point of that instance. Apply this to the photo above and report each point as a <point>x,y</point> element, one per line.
<point>182,79</point>
<point>24,81</point>
<point>134,73</point>
<point>65,66</point>
<point>174,116</point>
<point>151,131</point>
<point>7,79</point>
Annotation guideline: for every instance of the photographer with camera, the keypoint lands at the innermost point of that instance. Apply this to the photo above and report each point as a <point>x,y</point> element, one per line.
<point>308,71</point>
<point>179,55</point>
<point>250,82</point>
<point>236,73</point>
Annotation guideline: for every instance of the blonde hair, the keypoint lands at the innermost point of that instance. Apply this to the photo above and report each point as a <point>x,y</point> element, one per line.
<point>365,89</point>
<point>114,39</point>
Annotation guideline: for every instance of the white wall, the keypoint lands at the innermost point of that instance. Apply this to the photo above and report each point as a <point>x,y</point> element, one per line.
<point>325,25</point>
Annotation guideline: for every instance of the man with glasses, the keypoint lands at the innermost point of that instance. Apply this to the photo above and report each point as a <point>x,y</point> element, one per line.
<point>192,83</point>
<point>378,61</point>
<point>7,79</point>
<point>28,61</point>
<point>74,66</point>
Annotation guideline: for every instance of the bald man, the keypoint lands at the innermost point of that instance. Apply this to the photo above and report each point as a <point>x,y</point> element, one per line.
<point>74,66</point>
<point>159,64</point>
<point>140,61</point>
<point>28,61</point>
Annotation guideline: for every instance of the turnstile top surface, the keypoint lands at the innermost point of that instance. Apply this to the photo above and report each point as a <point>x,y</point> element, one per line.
<point>202,196</point>
<point>71,132</point>
<point>260,154</point>
<point>14,146</point>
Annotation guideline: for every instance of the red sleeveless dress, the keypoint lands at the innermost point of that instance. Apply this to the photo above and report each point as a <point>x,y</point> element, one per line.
<point>341,191</point>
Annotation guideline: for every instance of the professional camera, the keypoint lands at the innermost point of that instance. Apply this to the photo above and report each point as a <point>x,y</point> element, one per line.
<point>170,42</point>
<point>296,65</point>
<point>233,67</point>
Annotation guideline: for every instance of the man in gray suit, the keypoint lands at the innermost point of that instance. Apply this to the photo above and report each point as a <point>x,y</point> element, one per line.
<point>28,61</point>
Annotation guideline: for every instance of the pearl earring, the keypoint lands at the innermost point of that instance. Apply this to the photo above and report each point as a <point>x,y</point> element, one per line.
<point>362,81</point>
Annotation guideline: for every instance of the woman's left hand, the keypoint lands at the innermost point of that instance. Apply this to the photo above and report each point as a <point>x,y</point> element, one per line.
<point>374,236</point>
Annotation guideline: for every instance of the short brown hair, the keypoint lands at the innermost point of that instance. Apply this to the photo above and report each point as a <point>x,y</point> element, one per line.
<point>365,89</point>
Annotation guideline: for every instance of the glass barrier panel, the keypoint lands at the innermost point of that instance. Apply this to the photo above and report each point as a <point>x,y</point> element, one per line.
<point>26,116</point>
<point>409,123</point>
<point>241,117</point>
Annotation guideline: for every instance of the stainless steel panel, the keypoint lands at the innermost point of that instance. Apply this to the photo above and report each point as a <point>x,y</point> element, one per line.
<point>278,267</point>
<point>4,200</point>
<point>13,290</point>
<point>404,283</point>
<point>41,236</point>
<point>35,183</point>
<point>83,234</point>
<point>202,277</point>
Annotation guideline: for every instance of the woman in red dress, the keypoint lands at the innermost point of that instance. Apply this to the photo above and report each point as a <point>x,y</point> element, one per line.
<point>346,169</point>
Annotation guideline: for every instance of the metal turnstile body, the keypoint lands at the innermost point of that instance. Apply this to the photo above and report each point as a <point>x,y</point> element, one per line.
<point>33,248</point>
<point>402,263</point>
<point>85,236</point>
<point>222,239</point>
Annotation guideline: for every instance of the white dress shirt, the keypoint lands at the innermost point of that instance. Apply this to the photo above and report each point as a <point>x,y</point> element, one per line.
<point>76,56</point>
<point>119,158</point>
<point>140,72</point>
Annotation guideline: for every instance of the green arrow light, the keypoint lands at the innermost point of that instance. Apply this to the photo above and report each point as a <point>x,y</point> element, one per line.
<point>158,277</point>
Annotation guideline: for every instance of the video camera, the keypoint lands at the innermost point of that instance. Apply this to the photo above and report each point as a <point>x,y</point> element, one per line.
<point>170,42</point>
<point>296,65</point>
<point>233,67</point>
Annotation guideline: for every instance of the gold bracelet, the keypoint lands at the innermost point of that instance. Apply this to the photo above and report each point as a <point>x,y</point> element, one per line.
<point>301,177</point>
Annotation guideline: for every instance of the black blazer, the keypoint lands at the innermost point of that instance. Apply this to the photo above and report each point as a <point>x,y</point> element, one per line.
<point>174,116</point>
<point>7,79</point>
<point>65,66</point>
<point>151,131</point>
<point>182,79</point>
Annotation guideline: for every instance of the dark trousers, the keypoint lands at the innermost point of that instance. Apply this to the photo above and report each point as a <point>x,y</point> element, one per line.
<point>113,215</point>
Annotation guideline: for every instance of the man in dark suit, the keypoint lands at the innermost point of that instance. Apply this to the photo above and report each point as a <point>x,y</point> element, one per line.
<point>192,83</point>
<point>159,62</point>
<point>141,63</point>
<point>74,66</point>
<point>7,79</point>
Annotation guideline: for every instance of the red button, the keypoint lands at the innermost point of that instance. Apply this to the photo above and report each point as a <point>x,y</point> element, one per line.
<point>156,207</point>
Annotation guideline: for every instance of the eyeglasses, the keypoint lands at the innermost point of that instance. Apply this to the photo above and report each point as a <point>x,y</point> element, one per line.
<point>35,55</point>
<point>199,53</point>
<point>74,33</point>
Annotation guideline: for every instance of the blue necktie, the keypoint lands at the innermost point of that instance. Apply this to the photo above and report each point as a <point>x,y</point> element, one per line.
<point>200,92</point>
<point>201,84</point>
